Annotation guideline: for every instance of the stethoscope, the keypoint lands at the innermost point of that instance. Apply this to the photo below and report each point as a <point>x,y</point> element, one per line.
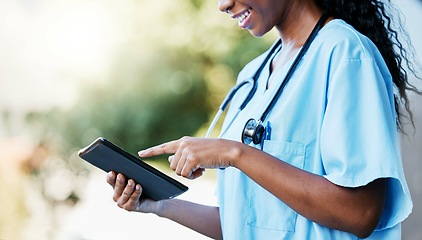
<point>254,130</point>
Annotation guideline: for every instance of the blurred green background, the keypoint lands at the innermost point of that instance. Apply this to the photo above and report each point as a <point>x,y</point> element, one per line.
<point>136,72</point>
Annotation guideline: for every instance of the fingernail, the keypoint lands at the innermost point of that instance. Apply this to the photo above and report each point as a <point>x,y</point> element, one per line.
<point>141,152</point>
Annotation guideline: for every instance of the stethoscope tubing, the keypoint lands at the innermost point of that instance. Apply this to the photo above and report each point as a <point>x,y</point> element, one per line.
<point>254,81</point>
<point>227,100</point>
<point>294,65</point>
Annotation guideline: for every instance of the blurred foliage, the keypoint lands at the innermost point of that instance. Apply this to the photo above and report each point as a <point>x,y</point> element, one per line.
<point>164,101</point>
<point>166,82</point>
<point>160,90</point>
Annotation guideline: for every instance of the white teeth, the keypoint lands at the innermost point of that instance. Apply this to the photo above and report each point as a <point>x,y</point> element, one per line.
<point>242,17</point>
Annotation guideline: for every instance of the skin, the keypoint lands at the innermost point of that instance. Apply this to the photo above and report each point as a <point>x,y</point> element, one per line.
<point>354,210</point>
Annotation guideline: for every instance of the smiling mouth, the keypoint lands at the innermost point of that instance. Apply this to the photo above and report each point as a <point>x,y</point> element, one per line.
<point>243,16</point>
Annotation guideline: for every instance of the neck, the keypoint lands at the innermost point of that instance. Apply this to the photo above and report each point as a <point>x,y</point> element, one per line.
<point>295,28</point>
<point>293,46</point>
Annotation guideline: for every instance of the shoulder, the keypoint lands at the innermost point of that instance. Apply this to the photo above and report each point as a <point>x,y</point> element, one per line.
<point>339,46</point>
<point>339,39</point>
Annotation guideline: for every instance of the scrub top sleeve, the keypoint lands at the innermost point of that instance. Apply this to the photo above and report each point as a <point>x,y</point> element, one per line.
<point>359,136</point>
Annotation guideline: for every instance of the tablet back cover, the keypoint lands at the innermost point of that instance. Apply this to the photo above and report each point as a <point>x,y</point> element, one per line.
<point>109,157</point>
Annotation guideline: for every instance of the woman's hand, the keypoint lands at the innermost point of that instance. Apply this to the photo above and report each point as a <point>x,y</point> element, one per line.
<point>127,194</point>
<point>203,219</point>
<point>193,155</point>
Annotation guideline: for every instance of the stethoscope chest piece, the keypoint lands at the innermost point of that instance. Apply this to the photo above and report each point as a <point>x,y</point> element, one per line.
<point>252,132</point>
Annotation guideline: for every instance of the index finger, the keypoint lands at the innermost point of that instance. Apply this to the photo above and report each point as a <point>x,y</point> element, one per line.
<point>165,148</point>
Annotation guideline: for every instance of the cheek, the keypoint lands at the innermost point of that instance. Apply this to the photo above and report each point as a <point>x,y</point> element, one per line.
<point>266,16</point>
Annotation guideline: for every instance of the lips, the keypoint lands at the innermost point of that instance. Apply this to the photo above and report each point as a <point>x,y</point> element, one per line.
<point>241,17</point>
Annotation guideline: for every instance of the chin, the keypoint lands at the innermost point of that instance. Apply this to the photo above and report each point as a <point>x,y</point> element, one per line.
<point>258,32</point>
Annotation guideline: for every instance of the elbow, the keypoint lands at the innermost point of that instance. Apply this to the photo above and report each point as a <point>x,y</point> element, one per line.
<point>364,233</point>
<point>366,220</point>
<point>366,224</point>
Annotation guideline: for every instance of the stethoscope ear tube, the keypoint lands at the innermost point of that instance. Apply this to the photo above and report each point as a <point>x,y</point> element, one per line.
<point>254,130</point>
<point>234,89</point>
<point>214,122</point>
<point>226,102</point>
<point>232,92</point>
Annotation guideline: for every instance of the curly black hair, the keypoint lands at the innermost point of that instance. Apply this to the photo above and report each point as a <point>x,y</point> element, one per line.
<point>371,18</point>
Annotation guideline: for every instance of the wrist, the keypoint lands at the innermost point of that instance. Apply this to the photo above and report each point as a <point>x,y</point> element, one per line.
<point>235,153</point>
<point>159,208</point>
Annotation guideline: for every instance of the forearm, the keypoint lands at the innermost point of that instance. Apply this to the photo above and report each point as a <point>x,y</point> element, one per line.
<point>355,210</point>
<point>200,218</point>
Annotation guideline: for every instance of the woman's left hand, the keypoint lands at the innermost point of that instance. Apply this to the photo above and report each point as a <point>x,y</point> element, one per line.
<point>192,155</point>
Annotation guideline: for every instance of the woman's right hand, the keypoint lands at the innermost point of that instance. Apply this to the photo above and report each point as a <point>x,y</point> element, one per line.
<point>127,194</point>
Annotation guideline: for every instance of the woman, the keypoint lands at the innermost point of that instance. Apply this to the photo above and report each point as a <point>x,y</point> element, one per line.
<point>331,167</point>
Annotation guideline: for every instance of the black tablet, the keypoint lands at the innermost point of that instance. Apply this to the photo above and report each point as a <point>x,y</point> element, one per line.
<point>109,157</point>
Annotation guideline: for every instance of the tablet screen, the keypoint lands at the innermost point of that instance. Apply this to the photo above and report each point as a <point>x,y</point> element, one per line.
<point>109,157</point>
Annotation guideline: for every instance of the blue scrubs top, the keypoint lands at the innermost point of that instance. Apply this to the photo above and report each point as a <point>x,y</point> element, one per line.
<point>335,118</point>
